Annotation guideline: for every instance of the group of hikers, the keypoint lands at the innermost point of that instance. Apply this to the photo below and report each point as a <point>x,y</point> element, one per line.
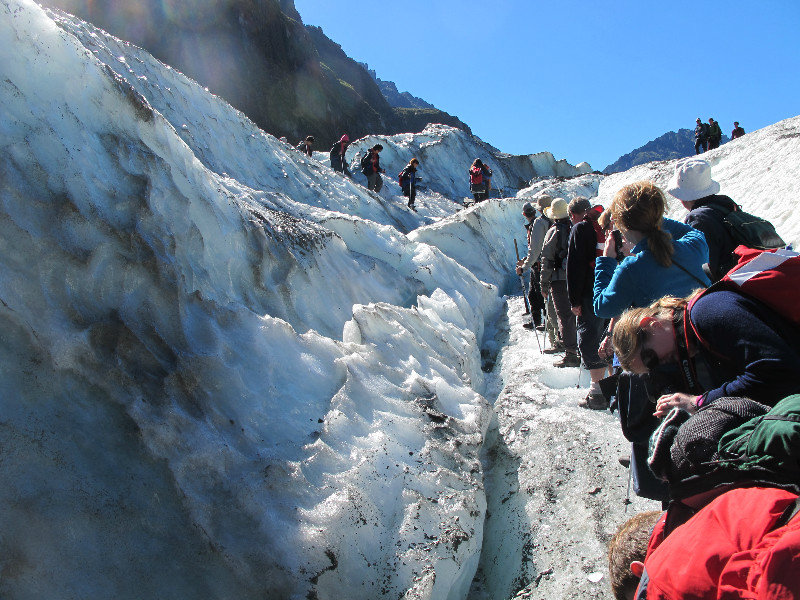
<point>702,318</point>
<point>480,174</point>
<point>708,136</point>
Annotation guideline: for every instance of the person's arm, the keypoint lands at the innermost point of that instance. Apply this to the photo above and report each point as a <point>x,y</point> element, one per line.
<point>766,363</point>
<point>548,259</point>
<point>713,230</point>
<point>614,290</point>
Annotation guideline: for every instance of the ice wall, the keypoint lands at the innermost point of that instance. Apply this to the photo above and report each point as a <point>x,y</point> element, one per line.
<point>225,370</point>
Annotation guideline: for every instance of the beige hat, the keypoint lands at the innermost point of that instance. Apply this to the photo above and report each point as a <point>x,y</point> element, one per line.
<point>543,201</point>
<point>559,209</point>
<point>692,180</point>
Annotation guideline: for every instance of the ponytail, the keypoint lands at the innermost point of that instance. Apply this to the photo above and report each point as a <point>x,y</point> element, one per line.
<point>660,244</point>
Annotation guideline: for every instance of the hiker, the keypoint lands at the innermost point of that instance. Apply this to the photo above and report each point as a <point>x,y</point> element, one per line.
<point>554,279</point>
<point>737,131</point>
<point>698,192</point>
<point>666,257</point>
<point>586,243</point>
<point>338,161</point>
<point>739,543</point>
<point>306,146</point>
<point>371,168</point>
<point>535,228</point>
<point>700,136</point>
<point>725,344</point>
<point>487,180</point>
<point>476,183</point>
<point>408,182</point>
<point>714,134</point>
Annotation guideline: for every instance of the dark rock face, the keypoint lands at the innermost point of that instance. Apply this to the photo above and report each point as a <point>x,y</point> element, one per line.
<point>290,80</point>
<point>671,145</point>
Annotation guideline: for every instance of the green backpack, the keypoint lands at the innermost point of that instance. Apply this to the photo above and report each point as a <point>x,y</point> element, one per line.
<point>766,444</point>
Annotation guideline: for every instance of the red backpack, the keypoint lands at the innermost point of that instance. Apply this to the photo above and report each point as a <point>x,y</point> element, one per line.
<point>475,175</point>
<point>770,276</point>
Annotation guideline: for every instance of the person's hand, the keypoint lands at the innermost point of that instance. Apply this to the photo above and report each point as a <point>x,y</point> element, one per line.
<point>610,249</point>
<point>576,310</point>
<point>668,402</point>
<point>605,349</point>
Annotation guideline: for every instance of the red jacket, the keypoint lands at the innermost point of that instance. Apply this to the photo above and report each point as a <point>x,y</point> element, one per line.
<point>730,549</point>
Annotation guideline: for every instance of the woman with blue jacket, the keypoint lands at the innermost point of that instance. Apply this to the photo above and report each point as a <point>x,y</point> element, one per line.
<point>666,259</point>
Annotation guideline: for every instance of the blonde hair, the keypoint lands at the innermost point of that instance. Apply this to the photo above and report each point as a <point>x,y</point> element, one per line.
<point>625,337</point>
<point>640,207</point>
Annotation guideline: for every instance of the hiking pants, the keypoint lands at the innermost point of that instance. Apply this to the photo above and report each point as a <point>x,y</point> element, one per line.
<point>700,143</point>
<point>535,295</point>
<point>590,328</point>
<point>713,143</point>
<point>374,182</point>
<point>410,192</point>
<point>566,320</point>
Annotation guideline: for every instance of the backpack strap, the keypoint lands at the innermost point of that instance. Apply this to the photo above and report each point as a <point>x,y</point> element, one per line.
<point>790,513</point>
<point>688,272</point>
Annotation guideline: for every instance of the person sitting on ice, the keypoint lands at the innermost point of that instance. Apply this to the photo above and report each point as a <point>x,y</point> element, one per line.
<point>307,145</point>
<point>408,182</point>
<point>737,131</point>
<point>554,279</point>
<point>338,162</point>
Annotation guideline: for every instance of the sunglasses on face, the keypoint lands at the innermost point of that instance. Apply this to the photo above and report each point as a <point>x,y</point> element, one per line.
<point>647,355</point>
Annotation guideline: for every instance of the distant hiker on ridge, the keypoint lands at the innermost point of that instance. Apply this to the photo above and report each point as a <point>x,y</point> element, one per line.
<point>338,162</point>
<point>306,146</point>
<point>408,182</point>
<point>737,131</point>
<point>476,183</point>
<point>371,168</point>
<point>700,136</point>
<point>714,134</point>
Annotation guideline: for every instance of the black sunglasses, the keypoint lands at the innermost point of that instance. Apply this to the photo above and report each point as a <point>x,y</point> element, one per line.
<point>648,355</point>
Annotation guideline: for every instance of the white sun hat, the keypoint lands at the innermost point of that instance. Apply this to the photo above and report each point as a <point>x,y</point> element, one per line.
<point>692,180</point>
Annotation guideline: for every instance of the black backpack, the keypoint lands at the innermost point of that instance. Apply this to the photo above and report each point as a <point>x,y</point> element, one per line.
<point>749,230</point>
<point>562,233</point>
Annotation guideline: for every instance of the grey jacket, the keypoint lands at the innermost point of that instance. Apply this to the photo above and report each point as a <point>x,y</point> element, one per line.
<point>536,233</point>
<point>554,243</point>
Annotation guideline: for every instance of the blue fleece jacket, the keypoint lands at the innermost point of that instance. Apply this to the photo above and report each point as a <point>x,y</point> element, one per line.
<point>639,280</point>
<point>752,351</point>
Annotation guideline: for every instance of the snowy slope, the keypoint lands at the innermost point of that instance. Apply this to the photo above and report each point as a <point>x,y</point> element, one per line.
<point>759,171</point>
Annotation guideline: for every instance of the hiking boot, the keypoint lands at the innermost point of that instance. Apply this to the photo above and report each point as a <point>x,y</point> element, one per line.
<point>540,328</point>
<point>554,349</point>
<point>528,325</point>
<point>594,402</point>
<point>411,206</point>
<point>569,360</point>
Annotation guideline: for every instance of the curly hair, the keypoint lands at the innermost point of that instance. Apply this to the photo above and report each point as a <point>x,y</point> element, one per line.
<point>640,207</point>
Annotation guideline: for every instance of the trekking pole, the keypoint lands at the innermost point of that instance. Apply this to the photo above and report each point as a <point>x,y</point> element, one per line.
<point>628,493</point>
<point>524,291</point>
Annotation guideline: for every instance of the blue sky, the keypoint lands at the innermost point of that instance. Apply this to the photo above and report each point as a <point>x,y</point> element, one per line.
<point>584,80</point>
